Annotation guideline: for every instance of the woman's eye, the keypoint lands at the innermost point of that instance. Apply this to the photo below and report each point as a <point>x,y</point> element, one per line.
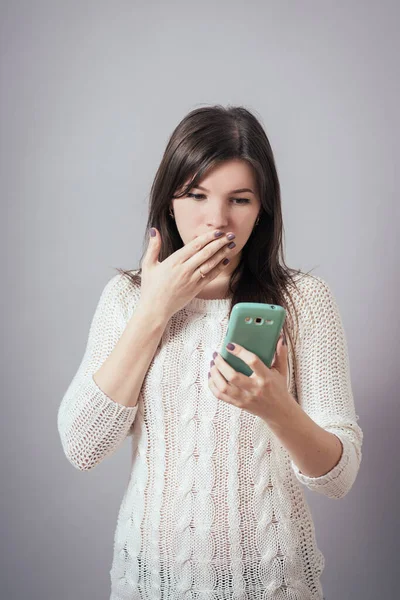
<point>198,196</point>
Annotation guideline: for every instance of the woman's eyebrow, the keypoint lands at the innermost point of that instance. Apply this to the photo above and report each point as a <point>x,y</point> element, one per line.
<point>199,187</point>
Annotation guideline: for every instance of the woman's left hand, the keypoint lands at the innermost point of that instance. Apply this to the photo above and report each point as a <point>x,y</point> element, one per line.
<point>260,394</point>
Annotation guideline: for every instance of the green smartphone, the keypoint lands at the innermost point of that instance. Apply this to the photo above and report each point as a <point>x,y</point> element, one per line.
<point>256,326</point>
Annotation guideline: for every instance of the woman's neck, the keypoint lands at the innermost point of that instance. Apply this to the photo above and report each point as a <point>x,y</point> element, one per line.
<point>215,290</point>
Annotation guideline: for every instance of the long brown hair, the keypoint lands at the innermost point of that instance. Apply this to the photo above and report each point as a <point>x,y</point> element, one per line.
<point>205,137</point>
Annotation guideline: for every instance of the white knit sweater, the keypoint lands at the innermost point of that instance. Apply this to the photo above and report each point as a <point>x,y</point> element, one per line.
<point>215,507</point>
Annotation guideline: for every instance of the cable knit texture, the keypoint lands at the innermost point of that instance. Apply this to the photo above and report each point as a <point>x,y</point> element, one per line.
<point>215,508</point>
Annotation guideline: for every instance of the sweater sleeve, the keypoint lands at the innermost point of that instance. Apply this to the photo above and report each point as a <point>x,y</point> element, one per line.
<point>323,386</point>
<point>90,424</point>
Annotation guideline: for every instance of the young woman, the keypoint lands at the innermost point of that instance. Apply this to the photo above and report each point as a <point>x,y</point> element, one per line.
<point>215,505</point>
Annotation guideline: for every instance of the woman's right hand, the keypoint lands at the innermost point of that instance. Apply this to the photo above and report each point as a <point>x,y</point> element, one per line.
<point>169,285</point>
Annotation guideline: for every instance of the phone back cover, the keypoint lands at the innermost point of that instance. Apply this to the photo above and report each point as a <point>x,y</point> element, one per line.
<point>258,338</point>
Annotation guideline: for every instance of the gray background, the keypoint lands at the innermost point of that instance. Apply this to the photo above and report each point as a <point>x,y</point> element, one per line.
<point>90,92</point>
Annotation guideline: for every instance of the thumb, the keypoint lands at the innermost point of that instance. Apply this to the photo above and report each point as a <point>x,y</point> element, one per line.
<point>281,354</point>
<point>153,248</point>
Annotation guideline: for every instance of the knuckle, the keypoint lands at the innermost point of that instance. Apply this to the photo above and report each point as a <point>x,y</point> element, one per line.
<point>197,245</point>
<point>209,252</point>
